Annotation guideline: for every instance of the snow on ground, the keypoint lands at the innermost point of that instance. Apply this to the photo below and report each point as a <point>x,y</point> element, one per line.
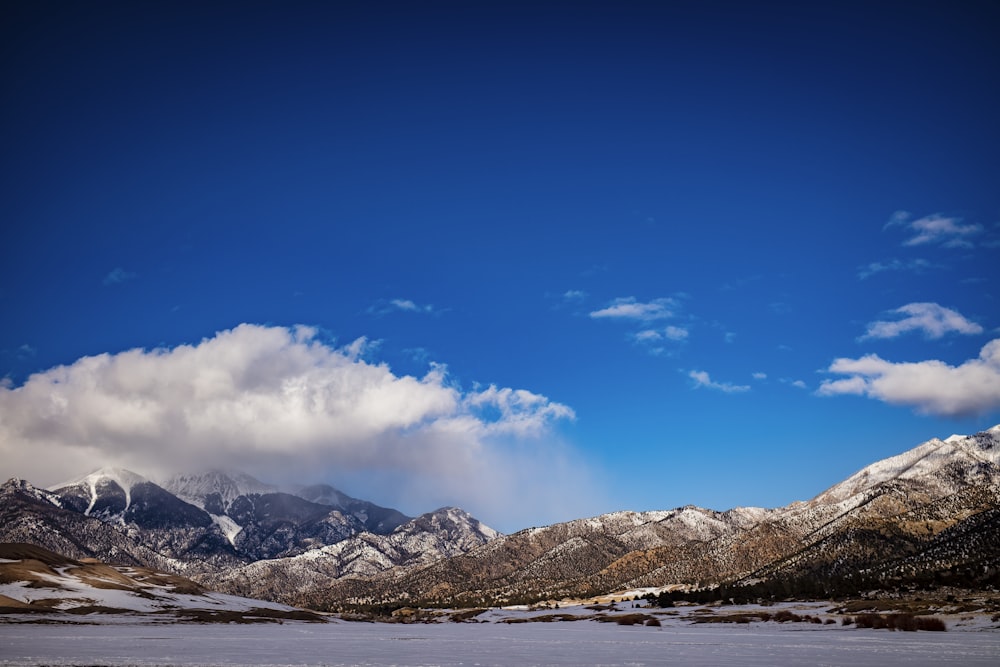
<point>494,640</point>
<point>498,645</point>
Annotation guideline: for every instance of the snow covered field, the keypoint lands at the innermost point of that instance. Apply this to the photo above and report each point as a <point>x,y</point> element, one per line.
<point>123,641</point>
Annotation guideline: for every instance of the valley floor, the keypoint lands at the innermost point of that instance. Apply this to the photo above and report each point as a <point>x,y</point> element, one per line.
<point>110,640</point>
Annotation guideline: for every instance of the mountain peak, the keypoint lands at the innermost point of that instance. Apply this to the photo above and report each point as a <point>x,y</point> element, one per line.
<point>98,487</point>
<point>935,462</point>
<point>123,477</point>
<point>228,484</point>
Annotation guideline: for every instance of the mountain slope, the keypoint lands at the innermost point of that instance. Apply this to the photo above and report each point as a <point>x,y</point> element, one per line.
<point>927,515</point>
<point>375,519</point>
<point>149,514</point>
<point>259,520</point>
<point>122,517</point>
<point>430,537</point>
<point>910,514</point>
<point>38,581</point>
<point>35,516</point>
<point>121,496</point>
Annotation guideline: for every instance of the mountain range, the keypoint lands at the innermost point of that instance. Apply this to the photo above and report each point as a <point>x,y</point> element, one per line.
<point>927,517</point>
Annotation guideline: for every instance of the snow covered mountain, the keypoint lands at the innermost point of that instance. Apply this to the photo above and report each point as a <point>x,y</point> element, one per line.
<point>219,522</point>
<point>942,466</point>
<point>928,516</point>
<point>376,519</point>
<point>437,535</point>
<point>261,520</point>
<point>124,497</point>
<point>216,490</point>
<point>258,519</point>
<point>925,514</point>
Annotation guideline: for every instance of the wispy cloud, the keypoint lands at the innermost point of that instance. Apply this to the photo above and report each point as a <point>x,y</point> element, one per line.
<point>760,376</point>
<point>702,379</point>
<point>931,387</point>
<point>655,335</point>
<point>655,341</point>
<point>935,229</point>
<point>574,296</point>
<point>629,308</point>
<point>932,319</point>
<point>278,401</point>
<point>914,265</point>
<point>118,275</point>
<point>386,306</point>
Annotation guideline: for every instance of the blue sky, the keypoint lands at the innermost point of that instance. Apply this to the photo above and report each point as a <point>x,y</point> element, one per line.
<point>590,256</point>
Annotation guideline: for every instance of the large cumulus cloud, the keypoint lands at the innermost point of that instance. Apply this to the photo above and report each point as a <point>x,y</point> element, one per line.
<point>279,402</point>
<point>931,387</point>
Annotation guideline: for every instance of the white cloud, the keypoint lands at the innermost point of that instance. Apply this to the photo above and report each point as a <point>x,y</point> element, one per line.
<point>935,229</point>
<point>931,387</point>
<point>118,275</point>
<point>702,379</point>
<point>799,384</point>
<point>406,304</point>
<point>627,308</point>
<point>760,376</point>
<point>655,335</point>
<point>574,296</point>
<point>675,333</point>
<point>648,336</point>
<point>915,265</point>
<point>384,307</point>
<point>933,319</point>
<point>278,401</point>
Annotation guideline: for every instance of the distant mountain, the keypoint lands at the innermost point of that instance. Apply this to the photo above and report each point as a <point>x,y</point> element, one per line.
<point>123,497</point>
<point>257,519</point>
<point>429,538</point>
<point>376,519</point>
<point>927,517</point>
<point>263,522</point>
<point>35,516</point>
<point>216,490</point>
<point>217,523</point>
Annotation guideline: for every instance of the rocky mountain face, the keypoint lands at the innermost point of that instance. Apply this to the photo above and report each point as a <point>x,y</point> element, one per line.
<point>375,519</point>
<point>35,516</point>
<point>262,522</point>
<point>429,538</point>
<point>930,515</point>
<point>218,522</point>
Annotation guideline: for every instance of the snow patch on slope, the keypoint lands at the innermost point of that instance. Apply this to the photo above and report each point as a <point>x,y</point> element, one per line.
<point>228,527</point>
<point>921,462</point>
<point>125,479</point>
<point>194,488</point>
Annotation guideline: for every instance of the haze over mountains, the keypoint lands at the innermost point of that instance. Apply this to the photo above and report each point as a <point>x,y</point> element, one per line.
<point>930,515</point>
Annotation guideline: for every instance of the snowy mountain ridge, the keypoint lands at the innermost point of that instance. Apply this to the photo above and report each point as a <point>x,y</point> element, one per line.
<point>429,538</point>
<point>935,498</point>
<point>120,515</point>
<point>124,479</point>
<point>930,513</point>
<point>924,462</point>
<point>223,486</point>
